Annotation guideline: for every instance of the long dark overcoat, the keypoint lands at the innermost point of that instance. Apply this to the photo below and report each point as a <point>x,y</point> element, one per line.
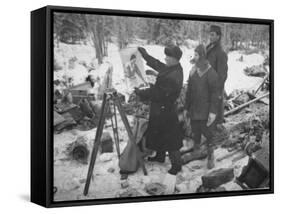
<point>164,132</point>
<point>218,60</point>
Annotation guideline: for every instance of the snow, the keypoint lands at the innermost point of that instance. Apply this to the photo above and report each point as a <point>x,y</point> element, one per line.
<point>70,176</point>
<point>64,52</point>
<point>236,77</point>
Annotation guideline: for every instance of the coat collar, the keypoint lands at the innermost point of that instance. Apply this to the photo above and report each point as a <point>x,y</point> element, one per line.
<point>213,46</point>
<point>202,72</point>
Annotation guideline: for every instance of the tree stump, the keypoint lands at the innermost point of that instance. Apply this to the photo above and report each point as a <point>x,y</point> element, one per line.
<point>79,151</point>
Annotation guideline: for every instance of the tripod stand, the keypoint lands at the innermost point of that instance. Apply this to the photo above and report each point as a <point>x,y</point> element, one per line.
<point>110,97</point>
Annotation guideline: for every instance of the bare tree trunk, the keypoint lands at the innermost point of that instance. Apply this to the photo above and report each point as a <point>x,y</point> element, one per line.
<point>200,33</point>
<point>225,38</point>
<point>95,32</point>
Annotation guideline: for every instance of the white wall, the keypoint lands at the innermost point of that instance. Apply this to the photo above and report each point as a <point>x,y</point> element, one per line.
<point>15,107</point>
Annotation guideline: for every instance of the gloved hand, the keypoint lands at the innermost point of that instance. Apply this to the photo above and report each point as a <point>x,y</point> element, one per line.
<point>151,72</point>
<point>211,118</point>
<point>142,51</point>
<point>137,91</point>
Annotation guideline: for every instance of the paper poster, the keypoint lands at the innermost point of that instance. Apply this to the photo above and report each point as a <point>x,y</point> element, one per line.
<point>133,68</point>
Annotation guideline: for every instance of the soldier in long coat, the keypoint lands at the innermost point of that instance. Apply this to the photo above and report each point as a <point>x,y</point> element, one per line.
<point>164,132</point>
<point>218,60</point>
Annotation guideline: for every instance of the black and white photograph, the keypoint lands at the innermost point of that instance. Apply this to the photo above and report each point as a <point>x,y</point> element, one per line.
<point>147,106</point>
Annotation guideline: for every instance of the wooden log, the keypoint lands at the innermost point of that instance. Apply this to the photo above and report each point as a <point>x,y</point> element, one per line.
<point>197,155</point>
<point>217,177</point>
<point>245,104</point>
<point>264,79</point>
<point>58,118</point>
<point>239,157</point>
<point>79,150</point>
<point>228,155</point>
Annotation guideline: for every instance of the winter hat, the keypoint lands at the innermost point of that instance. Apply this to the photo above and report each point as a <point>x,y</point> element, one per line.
<point>174,52</point>
<point>202,63</point>
<point>201,50</point>
<point>216,29</point>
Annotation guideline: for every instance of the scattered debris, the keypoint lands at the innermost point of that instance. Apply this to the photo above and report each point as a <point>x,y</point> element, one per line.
<point>135,107</point>
<point>58,119</point>
<point>245,104</point>
<point>68,123</point>
<point>246,135</point>
<point>264,86</point>
<point>130,192</point>
<point>186,158</point>
<point>256,173</point>
<point>78,150</point>
<point>255,71</point>
<point>111,170</point>
<point>217,177</point>
<point>196,167</point>
<point>266,60</point>
<point>90,67</point>
<point>241,58</point>
<point>124,184</point>
<point>63,107</point>
<point>181,188</point>
<point>202,189</point>
<point>86,123</point>
<point>86,108</point>
<point>220,136</point>
<point>155,189</point>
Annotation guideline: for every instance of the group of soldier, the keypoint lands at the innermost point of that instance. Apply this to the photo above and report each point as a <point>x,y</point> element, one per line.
<point>203,104</point>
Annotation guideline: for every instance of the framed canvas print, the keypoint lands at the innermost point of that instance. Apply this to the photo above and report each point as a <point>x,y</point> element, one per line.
<point>134,106</point>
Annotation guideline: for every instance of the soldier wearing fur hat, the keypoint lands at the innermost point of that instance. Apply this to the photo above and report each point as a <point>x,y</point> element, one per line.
<point>218,60</point>
<point>164,132</point>
<point>202,101</point>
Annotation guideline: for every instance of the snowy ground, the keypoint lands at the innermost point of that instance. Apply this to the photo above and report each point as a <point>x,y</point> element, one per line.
<point>69,176</point>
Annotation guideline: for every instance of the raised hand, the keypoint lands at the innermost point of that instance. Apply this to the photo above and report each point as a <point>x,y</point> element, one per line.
<point>151,72</point>
<point>142,51</point>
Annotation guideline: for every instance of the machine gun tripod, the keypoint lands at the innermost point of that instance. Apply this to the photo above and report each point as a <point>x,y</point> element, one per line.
<point>110,97</point>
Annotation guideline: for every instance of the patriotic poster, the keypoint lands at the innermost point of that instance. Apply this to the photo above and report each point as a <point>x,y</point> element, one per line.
<point>133,66</point>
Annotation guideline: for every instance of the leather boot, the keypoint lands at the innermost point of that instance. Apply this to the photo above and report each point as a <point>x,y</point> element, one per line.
<point>211,158</point>
<point>196,149</point>
<point>176,162</point>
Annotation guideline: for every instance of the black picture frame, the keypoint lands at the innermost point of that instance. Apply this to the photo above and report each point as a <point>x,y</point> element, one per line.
<point>42,96</point>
